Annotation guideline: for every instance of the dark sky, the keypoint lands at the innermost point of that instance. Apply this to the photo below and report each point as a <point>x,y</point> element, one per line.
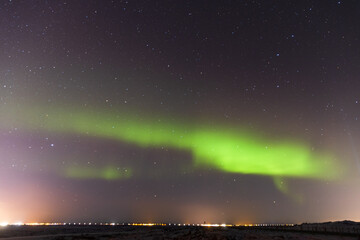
<point>181,111</point>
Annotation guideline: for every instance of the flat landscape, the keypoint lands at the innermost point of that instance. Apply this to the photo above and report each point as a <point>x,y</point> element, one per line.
<point>339,230</point>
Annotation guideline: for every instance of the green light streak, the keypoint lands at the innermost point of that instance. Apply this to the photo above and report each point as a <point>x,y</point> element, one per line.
<point>106,173</point>
<point>225,149</point>
<point>282,185</point>
<point>233,152</point>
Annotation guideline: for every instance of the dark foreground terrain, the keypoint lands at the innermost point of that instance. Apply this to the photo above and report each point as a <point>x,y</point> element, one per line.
<point>341,230</point>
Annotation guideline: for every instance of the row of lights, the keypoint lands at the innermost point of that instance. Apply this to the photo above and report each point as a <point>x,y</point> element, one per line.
<point>266,225</point>
<point>4,224</point>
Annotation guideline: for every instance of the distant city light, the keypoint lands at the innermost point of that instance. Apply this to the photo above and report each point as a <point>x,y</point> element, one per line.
<point>17,224</point>
<point>4,224</point>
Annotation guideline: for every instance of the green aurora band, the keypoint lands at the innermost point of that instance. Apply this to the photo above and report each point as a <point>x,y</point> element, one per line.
<point>106,173</point>
<point>223,148</point>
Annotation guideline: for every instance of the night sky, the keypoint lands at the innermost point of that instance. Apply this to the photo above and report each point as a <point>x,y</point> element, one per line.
<point>179,111</point>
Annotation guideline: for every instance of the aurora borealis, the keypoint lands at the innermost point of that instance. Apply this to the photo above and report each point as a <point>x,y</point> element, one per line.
<point>228,150</point>
<point>185,111</point>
